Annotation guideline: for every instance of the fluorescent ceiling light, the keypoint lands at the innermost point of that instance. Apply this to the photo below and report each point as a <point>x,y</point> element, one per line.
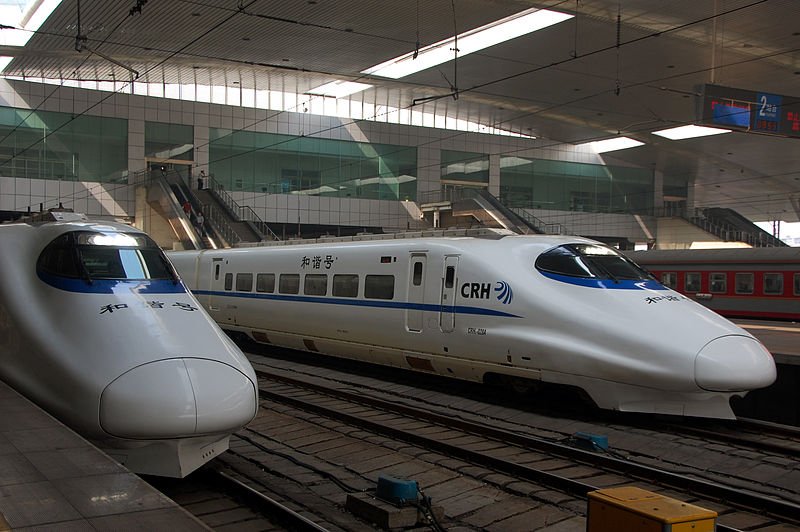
<point>29,19</point>
<point>619,143</point>
<point>470,41</point>
<point>339,88</point>
<point>4,61</point>
<point>689,132</point>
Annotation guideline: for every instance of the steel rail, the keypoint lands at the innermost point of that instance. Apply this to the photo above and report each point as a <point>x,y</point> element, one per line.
<point>742,499</point>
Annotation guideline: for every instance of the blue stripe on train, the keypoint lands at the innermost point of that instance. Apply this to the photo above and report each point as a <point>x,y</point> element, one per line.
<point>608,284</point>
<point>371,303</point>
<point>113,286</point>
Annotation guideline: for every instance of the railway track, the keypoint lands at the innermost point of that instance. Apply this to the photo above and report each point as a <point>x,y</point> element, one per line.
<point>560,466</point>
<point>223,502</point>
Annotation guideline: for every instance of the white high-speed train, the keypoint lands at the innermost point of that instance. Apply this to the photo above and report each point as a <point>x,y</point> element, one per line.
<point>96,328</point>
<point>556,309</point>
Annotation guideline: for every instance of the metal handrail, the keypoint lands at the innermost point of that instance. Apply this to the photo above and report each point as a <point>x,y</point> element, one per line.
<point>219,221</point>
<point>240,213</point>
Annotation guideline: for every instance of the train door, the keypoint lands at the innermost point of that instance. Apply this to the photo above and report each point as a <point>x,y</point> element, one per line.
<point>447,314</point>
<point>416,293</point>
<point>221,282</point>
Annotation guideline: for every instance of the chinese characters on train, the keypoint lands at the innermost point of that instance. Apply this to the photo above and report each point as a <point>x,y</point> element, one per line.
<point>317,262</point>
<point>110,309</point>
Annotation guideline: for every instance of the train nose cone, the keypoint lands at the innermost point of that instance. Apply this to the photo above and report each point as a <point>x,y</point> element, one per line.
<point>734,363</point>
<point>177,397</point>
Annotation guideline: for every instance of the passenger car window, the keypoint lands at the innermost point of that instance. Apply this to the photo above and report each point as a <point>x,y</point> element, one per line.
<point>345,285</point>
<point>379,286</point>
<point>773,284</point>
<point>797,284</point>
<point>417,276</point>
<point>265,282</point>
<point>289,283</point>
<point>718,283</point>
<point>228,281</point>
<point>744,283</point>
<point>692,282</point>
<point>244,282</point>
<point>315,284</point>
<point>669,279</point>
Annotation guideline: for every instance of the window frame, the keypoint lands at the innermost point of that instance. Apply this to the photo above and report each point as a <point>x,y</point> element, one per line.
<point>373,289</point>
<point>711,282</point>
<point>286,278</point>
<point>699,282</point>
<point>752,276</point>
<point>778,275</point>
<point>244,279</point>
<point>335,288</point>
<point>267,282</point>
<point>313,278</point>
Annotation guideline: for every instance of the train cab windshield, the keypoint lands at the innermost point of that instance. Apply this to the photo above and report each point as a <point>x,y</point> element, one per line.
<point>98,255</point>
<point>590,261</point>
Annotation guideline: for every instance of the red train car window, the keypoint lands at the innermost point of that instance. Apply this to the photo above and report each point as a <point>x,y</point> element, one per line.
<point>744,283</point>
<point>797,284</point>
<point>692,282</point>
<point>669,279</point>
<point>773,284</point>
<point>718,283</point>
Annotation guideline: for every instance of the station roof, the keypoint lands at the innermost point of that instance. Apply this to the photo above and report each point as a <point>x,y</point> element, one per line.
<point>611,69</point>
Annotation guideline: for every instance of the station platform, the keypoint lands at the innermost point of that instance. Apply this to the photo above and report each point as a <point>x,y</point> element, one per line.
<point>782,339</point>
<point>779,403</point>
<point>53,479</point>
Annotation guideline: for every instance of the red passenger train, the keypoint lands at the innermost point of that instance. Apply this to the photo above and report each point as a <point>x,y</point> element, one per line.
<point>739,283</point>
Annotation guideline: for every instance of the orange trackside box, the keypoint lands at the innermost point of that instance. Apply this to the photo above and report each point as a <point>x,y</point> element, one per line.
<point>635,509</point>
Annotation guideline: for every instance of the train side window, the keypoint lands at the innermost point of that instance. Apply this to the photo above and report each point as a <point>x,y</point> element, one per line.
<point>315,284</point>
<point>797,284</point>
<point>744,283</point>
<point>417,277</point>
<point>265,282</point>
<point>449,277</point>
<point>773,284</point>
<point>718,283</point>
<point>244,282</point>
<point>289,283</point>
<point>345,285</point>
<point>228,281</point>
<point>692,282</point>
<point>669,279</point>
<point>379,286</point>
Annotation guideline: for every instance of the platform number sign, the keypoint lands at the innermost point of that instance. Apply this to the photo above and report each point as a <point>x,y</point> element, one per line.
<point>767,116</point>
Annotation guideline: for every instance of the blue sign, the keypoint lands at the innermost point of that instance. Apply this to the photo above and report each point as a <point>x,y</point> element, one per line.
<point>767,112</point>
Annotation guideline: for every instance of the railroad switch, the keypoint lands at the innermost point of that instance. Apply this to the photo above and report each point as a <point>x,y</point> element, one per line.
<point>398,503</point>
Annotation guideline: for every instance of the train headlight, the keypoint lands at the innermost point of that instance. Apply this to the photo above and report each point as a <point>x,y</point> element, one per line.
<point>734,363</point>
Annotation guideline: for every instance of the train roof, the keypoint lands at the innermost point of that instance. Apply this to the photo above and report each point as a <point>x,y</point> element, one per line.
<point>712,256</point>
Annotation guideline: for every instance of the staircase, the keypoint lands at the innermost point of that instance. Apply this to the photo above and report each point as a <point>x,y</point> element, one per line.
<point>731,226</point>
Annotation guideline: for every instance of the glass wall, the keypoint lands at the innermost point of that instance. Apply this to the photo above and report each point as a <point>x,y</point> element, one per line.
<point>568,186</point>
<point>168,141</point>
<point>284,164</point>
<point>50,145</point>
<point>465,166</point>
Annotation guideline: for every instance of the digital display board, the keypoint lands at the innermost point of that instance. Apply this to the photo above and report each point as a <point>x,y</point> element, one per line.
<point>759,112</point>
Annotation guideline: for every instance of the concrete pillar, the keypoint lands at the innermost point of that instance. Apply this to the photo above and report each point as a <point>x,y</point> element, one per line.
<point>429,161</point>
<point>494,175</point>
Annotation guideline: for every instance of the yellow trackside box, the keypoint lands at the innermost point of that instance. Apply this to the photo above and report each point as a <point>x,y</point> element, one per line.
<point>636,510</point>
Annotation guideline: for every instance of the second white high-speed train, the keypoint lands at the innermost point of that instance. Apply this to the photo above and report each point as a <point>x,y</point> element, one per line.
<point>96,327</point>
<point>557,309</point>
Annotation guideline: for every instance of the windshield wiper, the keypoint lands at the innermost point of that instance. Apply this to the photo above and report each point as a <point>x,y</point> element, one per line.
<point>84,270</point>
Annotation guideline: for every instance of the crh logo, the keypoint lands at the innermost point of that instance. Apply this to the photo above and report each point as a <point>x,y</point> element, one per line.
<point>505,294</point>
<point>484,290</point>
